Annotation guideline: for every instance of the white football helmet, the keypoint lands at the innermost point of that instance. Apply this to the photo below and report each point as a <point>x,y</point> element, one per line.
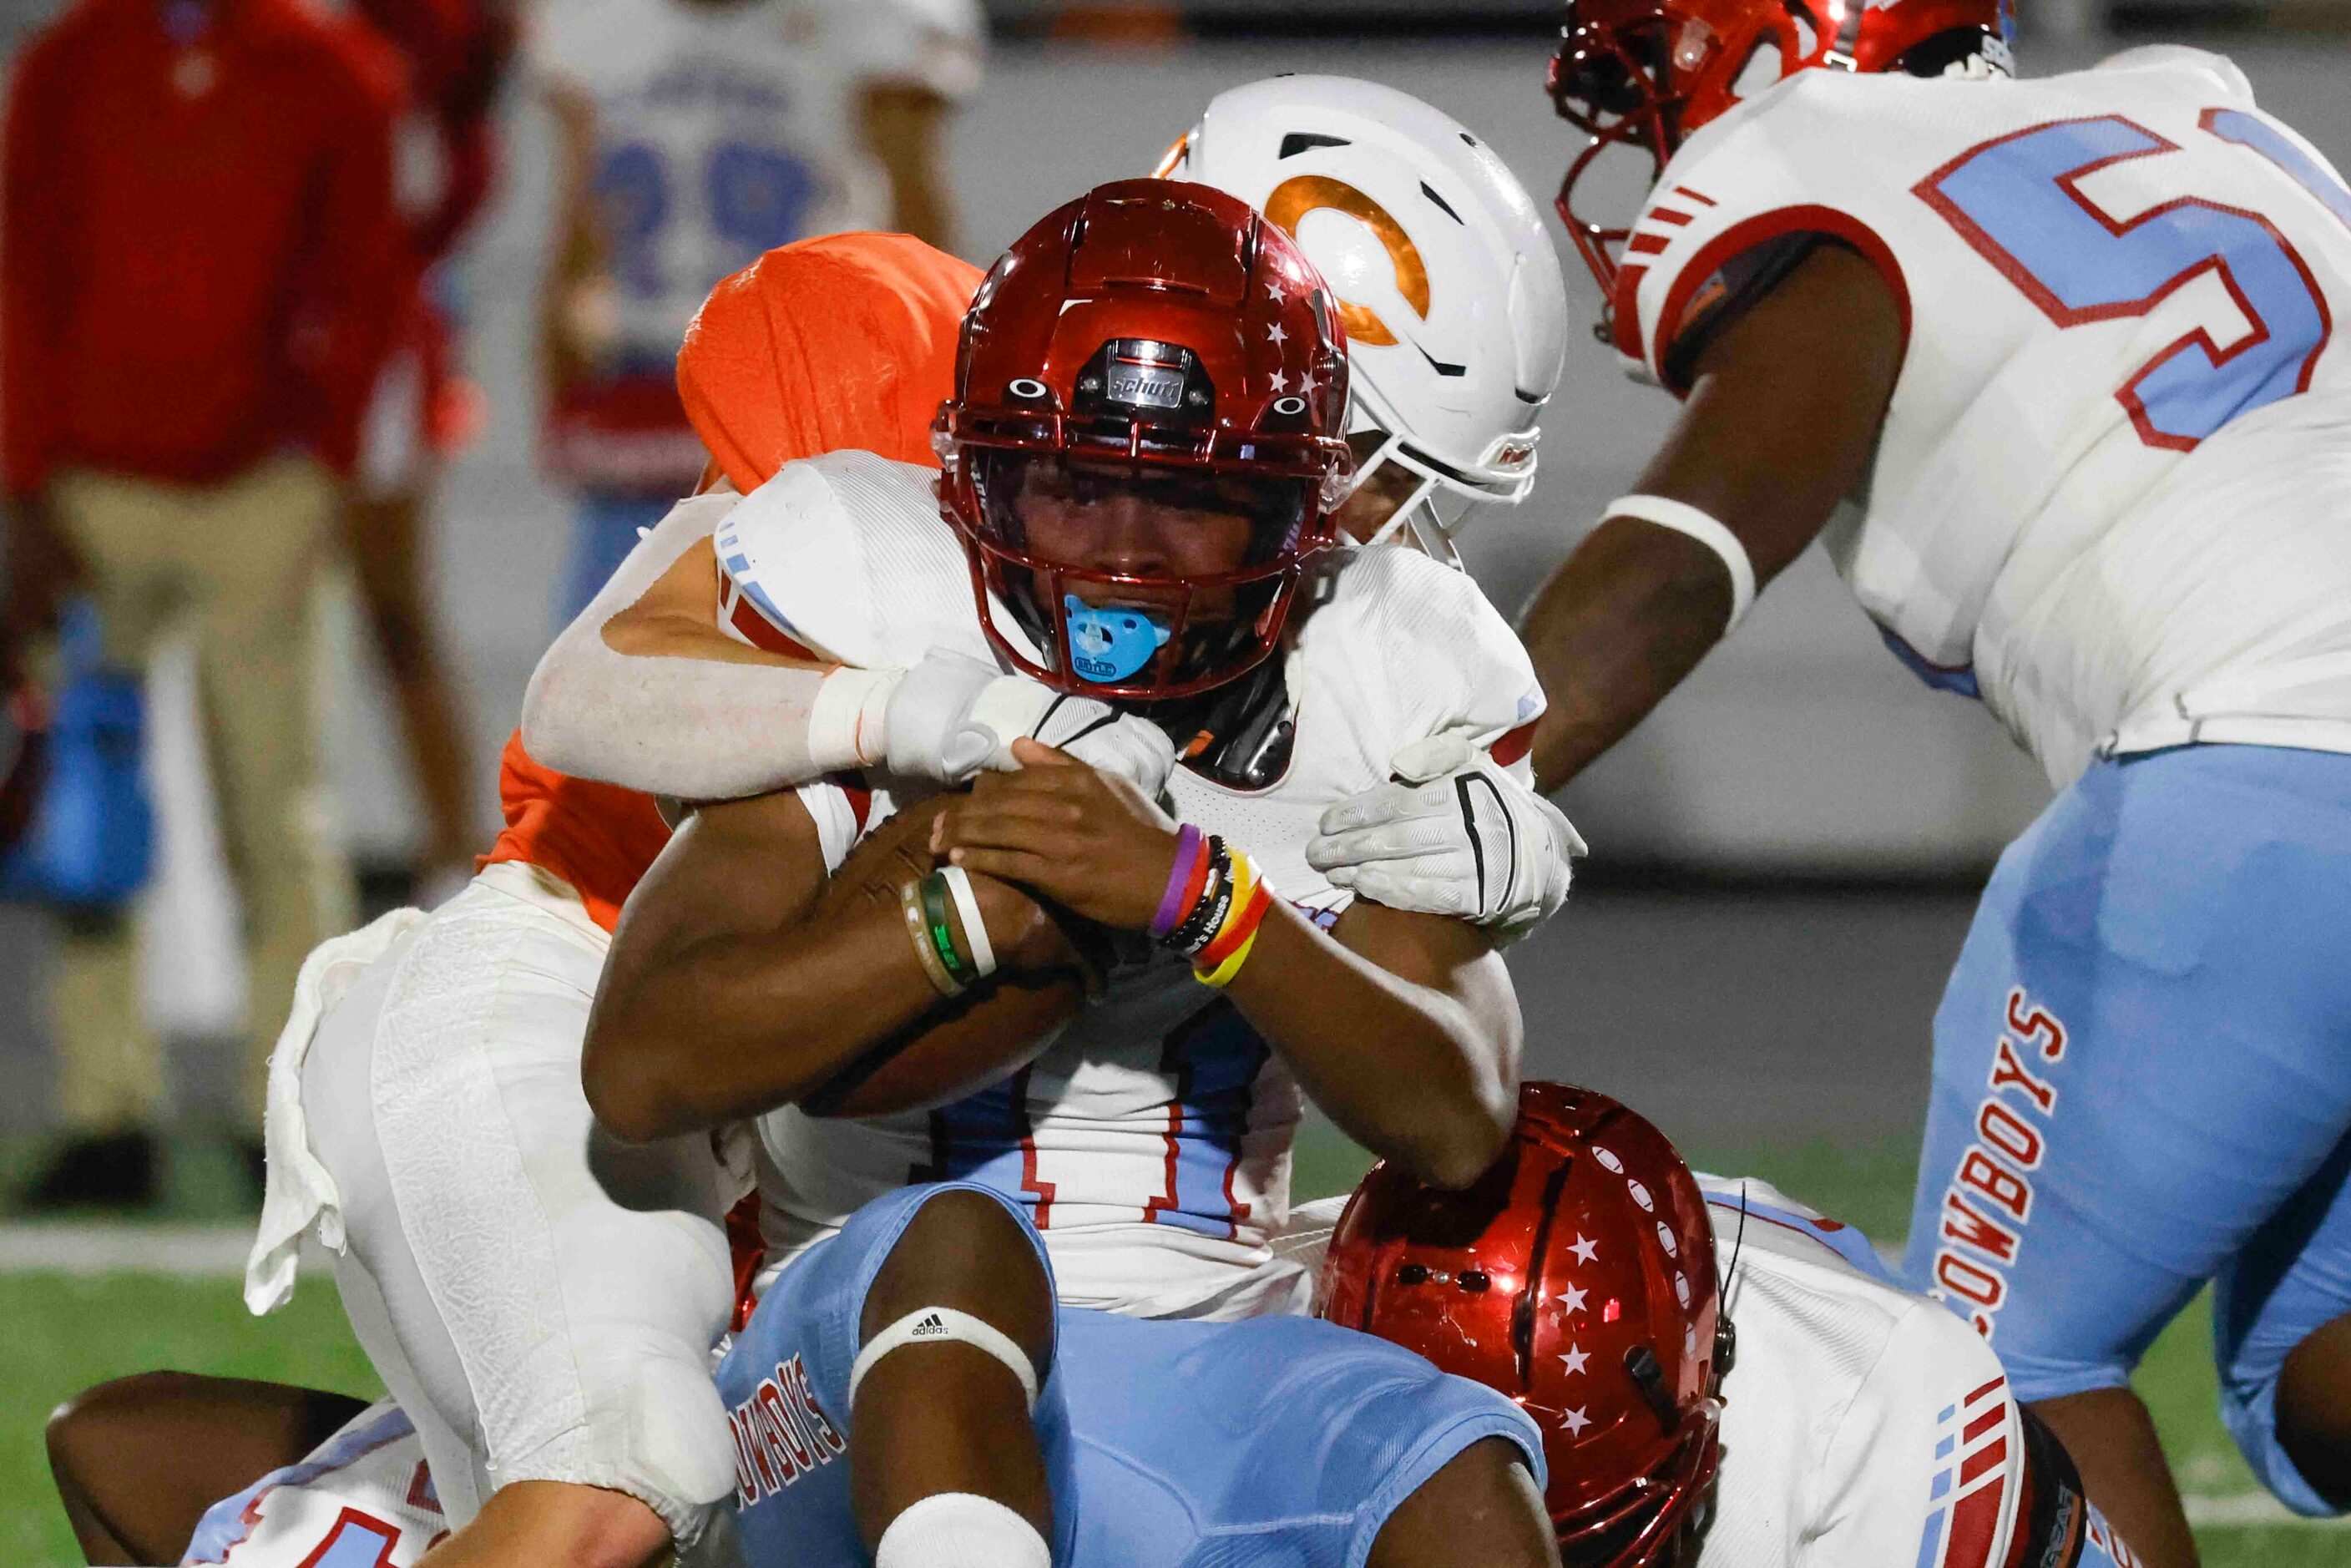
<point>1450,290</point>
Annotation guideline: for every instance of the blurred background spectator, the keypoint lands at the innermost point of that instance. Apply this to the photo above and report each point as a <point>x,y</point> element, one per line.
<point>692,136</point>
<point>426,407</point>
<point>201,259</point>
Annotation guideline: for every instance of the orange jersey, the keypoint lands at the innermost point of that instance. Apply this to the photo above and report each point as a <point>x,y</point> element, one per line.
<point>848,340</point>
<point>600,838</point>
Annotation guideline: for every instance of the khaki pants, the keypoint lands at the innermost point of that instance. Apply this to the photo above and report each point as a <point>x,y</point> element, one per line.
<point>235,563</point>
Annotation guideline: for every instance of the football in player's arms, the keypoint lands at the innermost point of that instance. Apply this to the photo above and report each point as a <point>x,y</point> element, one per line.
<point>1156,541</point>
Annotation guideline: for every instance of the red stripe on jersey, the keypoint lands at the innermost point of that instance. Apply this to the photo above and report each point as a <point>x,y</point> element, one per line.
<point>1992,1388</point>
<point>1693,196</point>
<point>420,1494</point>
<point>1164,1200</point>
<point>747,1245</point>
<point>1625,310</point>
<point>1985,1422</point>
<point>763,633</point>
<point>1975,1525</point>
<point>1043,1190</point>
<point>1647,244</point>
<point>1514,744</point>
<point>853,790</point>
<point>1666,215</point>
<point>1743,236</point>
<point>363,1524</point>
<point>1982,1460</point>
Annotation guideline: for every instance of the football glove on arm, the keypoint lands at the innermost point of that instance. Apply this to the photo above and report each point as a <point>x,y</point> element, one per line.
<point>1455,833</point>
<point>952,717</point>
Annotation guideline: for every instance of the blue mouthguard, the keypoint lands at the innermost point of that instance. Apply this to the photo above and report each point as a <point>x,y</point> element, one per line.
<point>1111,644</point>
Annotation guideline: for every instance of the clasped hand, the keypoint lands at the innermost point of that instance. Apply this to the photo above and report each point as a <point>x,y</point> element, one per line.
<point>1088,840</point>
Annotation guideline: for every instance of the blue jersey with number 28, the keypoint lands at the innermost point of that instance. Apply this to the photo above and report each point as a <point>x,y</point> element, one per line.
<point>2107,496</point>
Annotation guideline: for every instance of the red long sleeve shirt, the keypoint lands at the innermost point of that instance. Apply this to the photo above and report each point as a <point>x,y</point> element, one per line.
<point>199,254</point>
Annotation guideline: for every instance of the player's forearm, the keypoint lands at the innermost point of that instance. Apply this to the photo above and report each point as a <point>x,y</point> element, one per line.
<point>1423,1074</point>
<point>735,1025</point>
<point>1618,626</point>
<point>718,723</point>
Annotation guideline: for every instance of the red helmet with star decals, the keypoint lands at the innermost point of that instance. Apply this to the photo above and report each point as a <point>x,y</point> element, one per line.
<point>1648,73</point>
<point>1154,343</point>
<point>1577,1277</point>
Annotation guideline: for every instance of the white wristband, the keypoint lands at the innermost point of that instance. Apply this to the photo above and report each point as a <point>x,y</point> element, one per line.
<point>845,726</point>
<point>1690,522</point>
<point>974,925</point>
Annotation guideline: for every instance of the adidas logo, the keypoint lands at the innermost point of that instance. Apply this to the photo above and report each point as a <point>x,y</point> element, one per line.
<point>931,1327</point>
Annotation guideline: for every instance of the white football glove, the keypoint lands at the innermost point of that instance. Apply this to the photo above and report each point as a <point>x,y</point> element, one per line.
<point>951,717</point>
<point>1457,834</point>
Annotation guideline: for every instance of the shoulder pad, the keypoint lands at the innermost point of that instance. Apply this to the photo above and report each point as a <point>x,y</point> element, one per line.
<point>847,555</point>
<point>1430,637</point>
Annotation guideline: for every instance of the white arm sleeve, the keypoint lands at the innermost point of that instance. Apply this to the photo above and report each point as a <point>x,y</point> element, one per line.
<point>695,728</point>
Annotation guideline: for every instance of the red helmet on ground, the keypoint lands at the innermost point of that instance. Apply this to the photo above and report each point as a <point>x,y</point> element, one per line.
<point>1577,1277</point>
<point>1646,73</point>
<point>1158,338</point>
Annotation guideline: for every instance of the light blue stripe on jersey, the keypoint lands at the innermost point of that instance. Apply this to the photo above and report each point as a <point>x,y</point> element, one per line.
<point>224,1524</point>
<point>1832,1234</point>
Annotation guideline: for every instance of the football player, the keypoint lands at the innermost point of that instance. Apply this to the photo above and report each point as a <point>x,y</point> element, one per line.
<point>2049,366</point>
<point>1721,1378</point>
<point>1144,465</point>
<point>1169,1160</point>
<point>542,1307</point>
<point>1806,1413</point>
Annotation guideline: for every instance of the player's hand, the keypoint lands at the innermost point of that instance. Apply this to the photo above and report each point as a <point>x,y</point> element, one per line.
<point>1455,834</point>
<point>952,717</point>
<point>1089,841</point>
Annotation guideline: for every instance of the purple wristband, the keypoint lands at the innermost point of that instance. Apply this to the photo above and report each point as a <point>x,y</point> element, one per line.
<point>1179,877</point>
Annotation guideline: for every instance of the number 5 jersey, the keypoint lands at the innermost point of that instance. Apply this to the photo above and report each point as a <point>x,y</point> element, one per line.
<point>2112,496</point>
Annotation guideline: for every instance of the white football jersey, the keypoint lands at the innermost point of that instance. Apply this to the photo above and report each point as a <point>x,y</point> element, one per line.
<point>1862,1424</point>
<point>2110,492</point>
<point>1150,1141</point>
<point>725,128</point>
<point>364,1496</point>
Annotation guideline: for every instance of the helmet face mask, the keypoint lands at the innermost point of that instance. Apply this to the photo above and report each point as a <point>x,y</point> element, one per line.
<point>1646,74</point>
<point>1133,574</point>
<point>1144,446</point>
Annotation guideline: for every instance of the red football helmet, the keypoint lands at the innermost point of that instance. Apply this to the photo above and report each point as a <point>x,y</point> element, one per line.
<point>1646,73</point>
<point>1577,1277</point>
<point>1159,337</point>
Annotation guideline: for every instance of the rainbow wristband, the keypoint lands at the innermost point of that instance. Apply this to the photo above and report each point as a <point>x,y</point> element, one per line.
<point>1173,906</point>
<point>1221,976</point>
<point>1238,931</point>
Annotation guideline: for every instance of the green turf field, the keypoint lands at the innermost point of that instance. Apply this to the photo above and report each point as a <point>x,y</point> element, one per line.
<point>64,1334</point>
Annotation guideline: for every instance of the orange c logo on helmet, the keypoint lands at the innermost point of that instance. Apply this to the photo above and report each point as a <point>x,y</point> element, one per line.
<point>1303,194</point>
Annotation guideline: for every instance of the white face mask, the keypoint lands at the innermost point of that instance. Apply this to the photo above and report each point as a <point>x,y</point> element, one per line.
<point>1432,510</point>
